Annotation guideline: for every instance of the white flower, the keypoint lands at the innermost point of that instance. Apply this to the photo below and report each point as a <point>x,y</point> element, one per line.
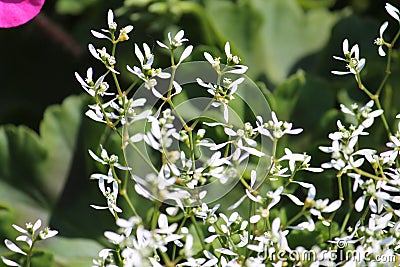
<point>354,63</point>
<point>100,86</point>
<point>380,41</point>
<point>213,61</point>
<point>229,56</point>
<point>102,55</point>
<point>111,195</point>
<point>278,236</point>
<point>123,33</point>
<point>105,159</point>
<point>207,214</point>
<point>364,113</point>
<point>175,42</point>
<point>146,72</point>
<point>395,146</point>
<point>47,233</point>
<point>394,12</point>
<point>275,129</point>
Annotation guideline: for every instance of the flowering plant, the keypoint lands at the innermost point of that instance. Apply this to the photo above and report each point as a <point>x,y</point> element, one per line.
<point>183,154</point>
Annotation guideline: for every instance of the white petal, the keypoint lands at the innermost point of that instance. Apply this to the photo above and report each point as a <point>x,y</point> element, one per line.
<point>228,49</point>
<point>186,53</point>
<point>146,49</point>
<point>345,46</point>
<point>209,58</point>
<point>11,246</point>
<point>162,45</point>
<point>225,251</point>
<point>156,93</point>
<point>295,200</point>
<point>253,177</point>
<point>383,28</point>
<point>336,72</point>
<point>359,205</point>
<point>229,131</point>
<point>163,221</point>
<point>210,239</point>
<point>333,206</point>
<point>94,116</point>
<point>37,225</point>
<point>178,87</point>
<point>239,69</point>
<point>9,262</point>
<point>25,239</point>
<point>99,35</point>
<point>255,218</point>
<point>20,229</point>
<point>164,75</point>
<point>93,51</point>
<point>139,54</point>
<point>237,203</point>
<point>394,12</point>
<point>98,207</point>
<point>251,196</point>
<point>110,17</point>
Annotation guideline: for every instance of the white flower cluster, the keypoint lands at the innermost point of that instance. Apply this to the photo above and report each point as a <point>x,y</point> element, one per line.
<point>29,235</point>
<point>192,233</point>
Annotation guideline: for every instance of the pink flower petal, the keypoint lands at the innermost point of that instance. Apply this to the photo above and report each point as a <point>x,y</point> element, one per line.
<point>17,12</point>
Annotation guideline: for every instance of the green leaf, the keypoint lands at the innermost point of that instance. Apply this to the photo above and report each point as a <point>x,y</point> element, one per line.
<point>22,157</point>
<point>271,36</point>
<point>304,99</point>
<point>73,252</point>
<point>59,132</point>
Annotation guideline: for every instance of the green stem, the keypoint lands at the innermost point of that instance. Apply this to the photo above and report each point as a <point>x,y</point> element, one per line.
<point>375,98</point>
<point>340,188</point>
<point>198,231</point>
<point>129,202</point>
<point>179,228</point>
<point>293,219</point>
<point>148,162</point>
<point>154,217</point>
<point>369,175</point>
<point>29,254</point>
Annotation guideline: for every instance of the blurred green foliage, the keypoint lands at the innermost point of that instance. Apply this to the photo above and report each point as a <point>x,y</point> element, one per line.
<point>44,137</point>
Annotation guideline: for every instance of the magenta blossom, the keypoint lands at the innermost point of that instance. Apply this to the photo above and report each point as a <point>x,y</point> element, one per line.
<point>17,12</point>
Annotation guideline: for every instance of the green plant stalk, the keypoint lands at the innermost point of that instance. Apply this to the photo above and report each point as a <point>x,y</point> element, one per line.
<point>376,100</point>
<point>294,218</point>
<point>148,162</point>
<point>112,73</point>
<point>340,188</point>
<point>369,175</point>
<point>351,206</point>
<point>198,231</point>
<point>29,254</point>
<point>179,228</point>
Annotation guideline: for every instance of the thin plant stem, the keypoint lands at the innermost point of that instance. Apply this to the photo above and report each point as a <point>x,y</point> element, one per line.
<point>198,231</point>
